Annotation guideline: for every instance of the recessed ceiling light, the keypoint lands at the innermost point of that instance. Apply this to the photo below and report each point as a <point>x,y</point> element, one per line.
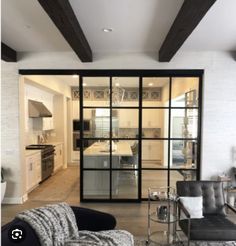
<point>84,84</point>
<point>75,76</point>
<point>117,84</point>
<point>107,29</point>
<point>150,84</point>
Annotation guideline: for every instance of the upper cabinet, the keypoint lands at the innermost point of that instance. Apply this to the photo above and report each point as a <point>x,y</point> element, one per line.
<point>128,118</point>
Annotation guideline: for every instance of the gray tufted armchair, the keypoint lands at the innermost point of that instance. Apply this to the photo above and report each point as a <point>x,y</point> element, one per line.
<point>214,226</point>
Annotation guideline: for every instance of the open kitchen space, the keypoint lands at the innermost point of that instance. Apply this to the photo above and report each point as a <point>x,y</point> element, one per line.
<point>125,144</point>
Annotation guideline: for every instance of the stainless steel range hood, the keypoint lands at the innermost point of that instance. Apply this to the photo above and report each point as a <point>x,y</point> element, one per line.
<point>38,109</point>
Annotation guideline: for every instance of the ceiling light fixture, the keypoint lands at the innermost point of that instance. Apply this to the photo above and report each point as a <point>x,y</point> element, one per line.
<point>150,84</point>
<point>75,76</point>
<point>84,84</point>
<point>117,84</point>
<point>107,29</point>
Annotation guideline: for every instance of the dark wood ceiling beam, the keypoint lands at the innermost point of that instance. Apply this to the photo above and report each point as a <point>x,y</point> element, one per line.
<point>189,16</point>
<point>8,54</point>
<point>63,16</point>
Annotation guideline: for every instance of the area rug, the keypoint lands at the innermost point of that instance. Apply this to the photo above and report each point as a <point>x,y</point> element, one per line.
<point>141,241</point>
<point>58,187</point>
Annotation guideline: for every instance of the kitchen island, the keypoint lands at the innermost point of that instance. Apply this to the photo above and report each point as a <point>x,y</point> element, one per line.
<point>97,156</point>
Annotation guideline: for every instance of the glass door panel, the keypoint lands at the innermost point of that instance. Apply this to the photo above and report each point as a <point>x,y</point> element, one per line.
<point>96,91</point>
<point>153,178</point>
<point>183,154</point>
<point>184,123</point>
<point>97,155</point>
<point>185,92</point>
<point>125,92</point>
<point>128,123</point>
<point>96,184</point>
<point>125,154</point>
<point>156,92</point>
<point>154,154</point>
<point>155,123</point>
<point>99,119</point>
<point>125,184</point>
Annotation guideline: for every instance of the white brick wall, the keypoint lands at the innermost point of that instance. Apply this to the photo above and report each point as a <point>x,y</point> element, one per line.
<point>10,139</point>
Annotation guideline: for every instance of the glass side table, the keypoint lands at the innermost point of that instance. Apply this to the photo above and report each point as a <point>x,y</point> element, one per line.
<point>162,209</point>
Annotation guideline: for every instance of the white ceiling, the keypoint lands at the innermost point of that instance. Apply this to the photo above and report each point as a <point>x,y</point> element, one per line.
<point>139,25</point>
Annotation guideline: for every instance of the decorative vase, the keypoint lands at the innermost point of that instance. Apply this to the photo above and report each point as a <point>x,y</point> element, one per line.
<point>3,189</point>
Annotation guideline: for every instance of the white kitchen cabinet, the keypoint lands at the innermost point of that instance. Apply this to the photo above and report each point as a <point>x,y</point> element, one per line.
<point>58,156</point>
<point>152,118</point>
<point>151,150</point>
<point>33,166</point>
<point>128,118</point>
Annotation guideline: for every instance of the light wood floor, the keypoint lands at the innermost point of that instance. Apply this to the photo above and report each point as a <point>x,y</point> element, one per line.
<point>130,216</point>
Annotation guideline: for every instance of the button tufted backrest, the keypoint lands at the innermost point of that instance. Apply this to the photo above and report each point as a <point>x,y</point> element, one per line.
<point>211,191</point>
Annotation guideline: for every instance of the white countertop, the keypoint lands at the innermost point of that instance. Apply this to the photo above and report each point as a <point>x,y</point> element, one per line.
<point>29,152</point>
<point>102,149</point>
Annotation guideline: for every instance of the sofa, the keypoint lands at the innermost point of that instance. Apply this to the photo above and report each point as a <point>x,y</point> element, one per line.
<point>86,219</point>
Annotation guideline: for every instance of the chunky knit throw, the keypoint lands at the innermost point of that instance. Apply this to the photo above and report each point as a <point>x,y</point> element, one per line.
<point>56,225</point>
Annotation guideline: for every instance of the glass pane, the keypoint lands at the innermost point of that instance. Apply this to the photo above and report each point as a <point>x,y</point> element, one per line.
<point>156,92</point>
<point>153,178</point>
<point>96,91</point>
<point>181,175</point>
<point>127,123</point>
<point>155,123</point>
<point>155,154</point>
<point>184,123</point>
<point>97,154</point>
<point>183,154</point>
<point>125,154</point>
<point>185,92</point>
<point>96,184</point>
<point>99,122</point>
<point>125,184</point>
<point>125,91</point>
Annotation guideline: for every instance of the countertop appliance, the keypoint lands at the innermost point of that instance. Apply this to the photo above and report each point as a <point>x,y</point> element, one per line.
<point>47,158</point>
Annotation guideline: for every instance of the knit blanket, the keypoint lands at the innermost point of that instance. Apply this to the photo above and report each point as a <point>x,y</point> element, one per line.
<point>56,225</point>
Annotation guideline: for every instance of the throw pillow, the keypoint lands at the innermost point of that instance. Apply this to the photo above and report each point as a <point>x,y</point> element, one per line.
<point>193,206</point>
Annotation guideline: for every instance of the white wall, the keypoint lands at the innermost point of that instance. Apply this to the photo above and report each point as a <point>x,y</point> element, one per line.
<point>219,90</point>
<point>11,150</point>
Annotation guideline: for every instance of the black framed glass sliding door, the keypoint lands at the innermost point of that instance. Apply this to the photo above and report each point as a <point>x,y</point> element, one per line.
<point>110,161</point>
<point>144,131</point>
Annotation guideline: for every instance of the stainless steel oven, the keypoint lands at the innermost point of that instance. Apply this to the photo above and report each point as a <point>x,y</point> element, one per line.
<point>47,158</point>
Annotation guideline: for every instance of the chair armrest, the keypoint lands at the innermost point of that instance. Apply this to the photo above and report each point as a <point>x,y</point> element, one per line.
<point>230,207</point>
<point>182,207</point>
